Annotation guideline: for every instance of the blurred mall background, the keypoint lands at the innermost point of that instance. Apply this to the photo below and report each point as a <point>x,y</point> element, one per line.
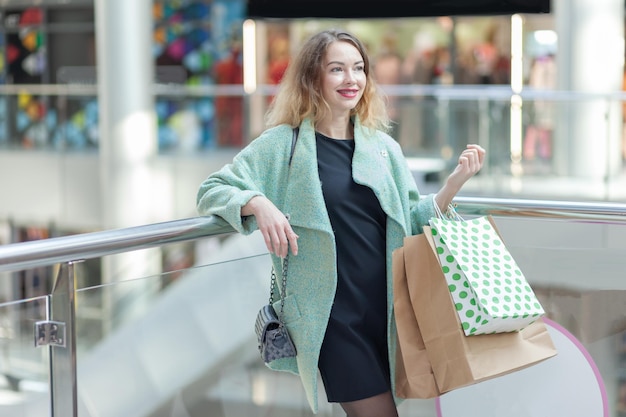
<point>113,111</point>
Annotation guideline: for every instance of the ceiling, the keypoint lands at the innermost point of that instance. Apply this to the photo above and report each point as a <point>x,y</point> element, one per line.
<point>390,8</point>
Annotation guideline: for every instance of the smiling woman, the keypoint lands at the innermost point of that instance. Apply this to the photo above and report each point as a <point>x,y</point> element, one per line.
<point>341,206</point>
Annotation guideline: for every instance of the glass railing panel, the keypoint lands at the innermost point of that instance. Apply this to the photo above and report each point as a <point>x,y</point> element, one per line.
<point>182,342</point>
<point>429,118</point>
<point>112,322</point>
<point>189,347</point>
<point>433,123</point>
<point>24,368</point>
<point>441,125</point>
<point>533,141</point>
<point>538,122</point>
<point>576,269</point>
<point>419,125</point>
<point>175,348</point>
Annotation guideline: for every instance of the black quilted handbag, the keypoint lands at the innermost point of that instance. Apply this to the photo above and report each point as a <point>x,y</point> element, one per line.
<point>273,338</point>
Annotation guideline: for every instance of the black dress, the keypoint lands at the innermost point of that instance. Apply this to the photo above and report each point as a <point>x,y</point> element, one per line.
<point>353,361</point>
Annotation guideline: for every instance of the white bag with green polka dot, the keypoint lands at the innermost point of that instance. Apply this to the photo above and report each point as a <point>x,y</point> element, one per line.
<point>488,288</point>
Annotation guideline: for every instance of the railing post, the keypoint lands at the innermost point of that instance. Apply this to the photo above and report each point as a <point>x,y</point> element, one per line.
<point>63,380</point>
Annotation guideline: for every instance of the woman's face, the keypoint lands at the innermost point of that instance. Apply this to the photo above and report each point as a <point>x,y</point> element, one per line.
<point>343,77</point>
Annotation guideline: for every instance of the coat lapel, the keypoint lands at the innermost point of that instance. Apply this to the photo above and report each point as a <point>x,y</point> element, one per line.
<point>304,201</point>
<point>371,166</point>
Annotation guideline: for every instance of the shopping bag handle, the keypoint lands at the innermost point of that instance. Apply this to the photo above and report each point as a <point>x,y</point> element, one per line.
<point>451,213</point>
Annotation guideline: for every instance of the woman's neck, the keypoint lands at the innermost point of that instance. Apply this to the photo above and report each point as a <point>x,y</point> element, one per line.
<point>337,128</point>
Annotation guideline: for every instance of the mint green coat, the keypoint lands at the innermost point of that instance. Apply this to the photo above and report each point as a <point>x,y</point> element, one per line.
<point>262,168</point>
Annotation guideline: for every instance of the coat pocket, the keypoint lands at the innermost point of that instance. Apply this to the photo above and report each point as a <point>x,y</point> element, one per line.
<point>291,312</point>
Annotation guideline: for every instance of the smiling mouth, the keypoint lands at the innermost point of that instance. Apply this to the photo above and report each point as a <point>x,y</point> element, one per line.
<point>348,93</point>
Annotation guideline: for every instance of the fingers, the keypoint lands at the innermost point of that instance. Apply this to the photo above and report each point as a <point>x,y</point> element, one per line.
<point>470,162</point>
<point>274,226</point>
<point>478,150</point>
<point>472,158</point>
<point>279,239</point>
<point>281,243</point>
<point>293,242</point>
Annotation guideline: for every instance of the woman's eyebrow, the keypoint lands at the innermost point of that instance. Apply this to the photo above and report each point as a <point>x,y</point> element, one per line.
<point>343,63</point>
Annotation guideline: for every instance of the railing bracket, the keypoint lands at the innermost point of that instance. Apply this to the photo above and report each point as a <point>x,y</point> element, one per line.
<point>50,333</point>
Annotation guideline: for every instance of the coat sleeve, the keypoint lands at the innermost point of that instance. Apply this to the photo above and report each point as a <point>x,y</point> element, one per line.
<point>251,173</point>
<point>420,207</point>
<point>422,212</point>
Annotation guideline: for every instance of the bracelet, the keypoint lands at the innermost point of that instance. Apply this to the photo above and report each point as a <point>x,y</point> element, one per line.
<point>450,212</point>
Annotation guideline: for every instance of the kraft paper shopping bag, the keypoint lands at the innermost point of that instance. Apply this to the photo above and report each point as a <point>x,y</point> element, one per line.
<point>458,360</point>
<point>414,375</point>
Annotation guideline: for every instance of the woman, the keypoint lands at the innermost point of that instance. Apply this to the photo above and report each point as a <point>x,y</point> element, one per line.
<point>342,205</point>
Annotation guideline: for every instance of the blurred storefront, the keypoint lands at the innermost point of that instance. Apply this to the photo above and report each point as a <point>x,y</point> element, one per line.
<point>198,44</point>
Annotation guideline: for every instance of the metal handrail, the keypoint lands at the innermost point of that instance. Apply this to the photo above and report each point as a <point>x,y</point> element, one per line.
<point>25,255</point>
<point>567,210</point>
<point>36,253</point>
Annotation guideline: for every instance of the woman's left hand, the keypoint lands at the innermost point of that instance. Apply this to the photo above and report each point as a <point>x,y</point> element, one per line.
<point>470,162</point>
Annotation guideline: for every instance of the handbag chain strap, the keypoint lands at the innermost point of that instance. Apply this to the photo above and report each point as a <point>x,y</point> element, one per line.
<point>294,139</point>
<point>283,287</point>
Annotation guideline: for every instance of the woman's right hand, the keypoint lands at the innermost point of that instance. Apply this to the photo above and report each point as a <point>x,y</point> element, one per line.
<point>273,224</point>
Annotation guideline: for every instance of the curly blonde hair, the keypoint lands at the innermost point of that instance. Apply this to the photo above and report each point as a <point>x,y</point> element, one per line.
<point>300,94</point>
